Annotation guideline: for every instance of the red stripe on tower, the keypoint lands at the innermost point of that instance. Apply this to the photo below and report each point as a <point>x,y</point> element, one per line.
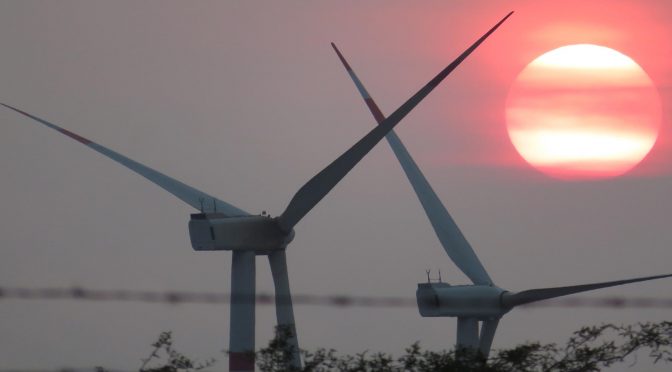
<point>241,361</point>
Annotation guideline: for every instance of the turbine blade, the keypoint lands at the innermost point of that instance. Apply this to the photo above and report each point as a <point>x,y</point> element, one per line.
<point>510,300</point>
<point>242,316</point>
<point>488,330</point>
<point>453,241</point>
<point>184,192</point>
<point>321,184</point>
<point>283,303</point>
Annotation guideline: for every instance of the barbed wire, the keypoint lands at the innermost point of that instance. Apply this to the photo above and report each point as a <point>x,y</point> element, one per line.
<point>213,298</point>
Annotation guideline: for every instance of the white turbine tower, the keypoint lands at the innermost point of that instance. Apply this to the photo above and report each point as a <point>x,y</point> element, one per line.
<point>222,226</point>
<point>482,301</point>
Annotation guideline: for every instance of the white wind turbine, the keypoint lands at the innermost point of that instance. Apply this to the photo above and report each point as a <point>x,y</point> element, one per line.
<point>482,301</point>
<point>222,226</point>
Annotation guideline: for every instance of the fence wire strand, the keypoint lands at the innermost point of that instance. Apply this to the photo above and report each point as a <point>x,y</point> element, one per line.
<point>213,298</point>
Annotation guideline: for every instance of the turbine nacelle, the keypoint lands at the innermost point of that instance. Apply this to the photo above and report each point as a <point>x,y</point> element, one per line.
<point>482,302</point>
<point>216,232</point>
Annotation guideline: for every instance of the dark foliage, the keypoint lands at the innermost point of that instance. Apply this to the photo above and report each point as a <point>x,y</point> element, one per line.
<point>168,359</point>
<point>589,349</point>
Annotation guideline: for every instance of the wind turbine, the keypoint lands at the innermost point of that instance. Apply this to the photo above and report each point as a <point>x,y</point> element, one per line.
<point>483,301</point>
<point>222,226</point>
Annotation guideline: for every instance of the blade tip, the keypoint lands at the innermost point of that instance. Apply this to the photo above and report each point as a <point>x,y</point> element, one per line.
<point>508,15</point>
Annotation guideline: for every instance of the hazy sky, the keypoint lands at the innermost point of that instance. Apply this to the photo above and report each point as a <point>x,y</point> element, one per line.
<point>247,101</point>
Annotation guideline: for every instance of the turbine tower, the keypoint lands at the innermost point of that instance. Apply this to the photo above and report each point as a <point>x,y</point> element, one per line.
<point>483,301</point>
<point>222,226</point>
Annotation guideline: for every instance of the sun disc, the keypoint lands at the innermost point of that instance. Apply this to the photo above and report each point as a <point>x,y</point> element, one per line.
<point>583,111</point>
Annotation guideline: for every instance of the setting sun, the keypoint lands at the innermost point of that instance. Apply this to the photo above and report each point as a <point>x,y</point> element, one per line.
<point>583,111</point>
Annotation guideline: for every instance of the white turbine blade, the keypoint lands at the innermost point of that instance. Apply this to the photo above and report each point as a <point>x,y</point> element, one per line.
<point>510,300</point>
<point>283,303</point>
<point>453,241</point>
<point>488,330</point>
<point>321,184</point>
<point>242,316</point>
<point>184,192</point>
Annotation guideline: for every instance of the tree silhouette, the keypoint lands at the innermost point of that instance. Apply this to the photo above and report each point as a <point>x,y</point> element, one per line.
<point>589,349</point>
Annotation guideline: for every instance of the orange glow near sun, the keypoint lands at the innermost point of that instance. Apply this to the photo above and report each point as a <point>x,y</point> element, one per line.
<point>583,112</point>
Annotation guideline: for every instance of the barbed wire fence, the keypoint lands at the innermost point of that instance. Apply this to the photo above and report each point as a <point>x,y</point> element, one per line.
<point>219,298</point>
<point>173,298</point>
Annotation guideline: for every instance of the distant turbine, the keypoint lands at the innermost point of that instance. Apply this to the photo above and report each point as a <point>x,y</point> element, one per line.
<point>482,301</point>
<point>222,226</point>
